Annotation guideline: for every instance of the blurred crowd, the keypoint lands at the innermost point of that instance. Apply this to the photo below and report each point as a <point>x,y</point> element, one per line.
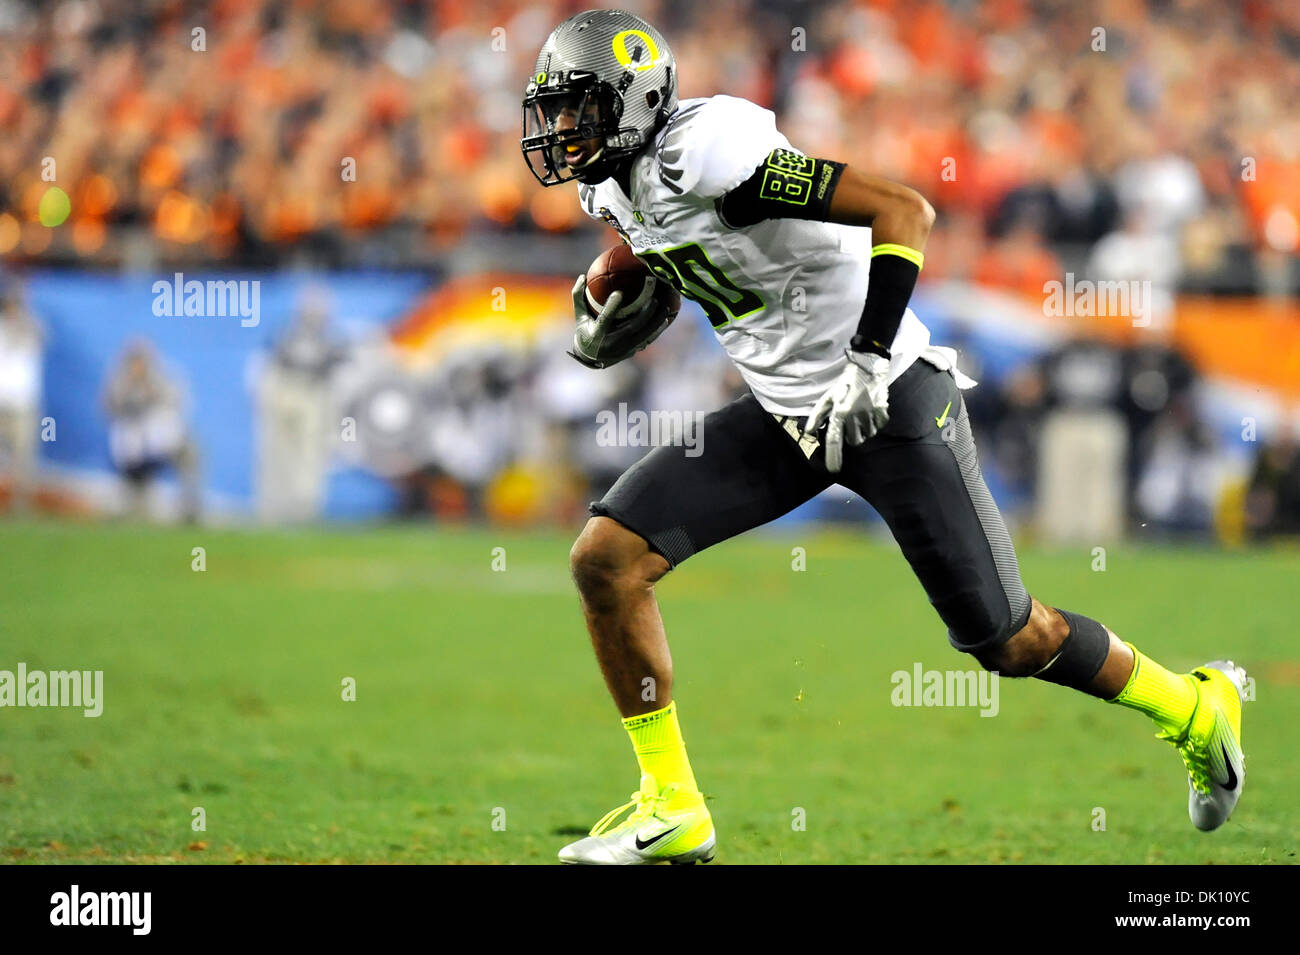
<point>1050,134</point>
<point>1088,441</point>
<point>1085,441</point>
<point>1129,140</point>
<point>1092,437</point>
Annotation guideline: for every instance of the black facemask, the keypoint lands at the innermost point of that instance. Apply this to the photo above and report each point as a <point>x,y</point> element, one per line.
<point>566,128</point>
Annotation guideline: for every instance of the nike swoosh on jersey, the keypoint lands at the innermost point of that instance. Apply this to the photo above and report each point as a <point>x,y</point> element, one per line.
<point>943,417</point>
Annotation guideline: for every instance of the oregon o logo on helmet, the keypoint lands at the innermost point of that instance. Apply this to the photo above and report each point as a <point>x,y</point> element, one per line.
<point>619,45</point>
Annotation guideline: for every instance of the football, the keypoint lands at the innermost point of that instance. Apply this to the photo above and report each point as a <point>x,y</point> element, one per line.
<point>618,269</point>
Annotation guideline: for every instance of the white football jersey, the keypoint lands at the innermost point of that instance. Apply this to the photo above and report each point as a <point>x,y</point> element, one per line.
<point>784,295</point>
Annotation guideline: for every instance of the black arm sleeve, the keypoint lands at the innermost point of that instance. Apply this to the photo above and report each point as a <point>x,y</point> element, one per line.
<point>890,280</point>
<point>786,185</point>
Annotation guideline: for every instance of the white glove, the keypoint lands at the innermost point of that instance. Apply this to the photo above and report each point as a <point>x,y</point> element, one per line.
<point>856,406</point>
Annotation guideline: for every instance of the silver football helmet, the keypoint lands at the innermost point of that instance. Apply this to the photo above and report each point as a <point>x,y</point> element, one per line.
<point>604,83</point>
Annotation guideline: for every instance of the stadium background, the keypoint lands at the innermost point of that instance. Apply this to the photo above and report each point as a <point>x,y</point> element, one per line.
<point>369,158</point>
<point>359,164</point>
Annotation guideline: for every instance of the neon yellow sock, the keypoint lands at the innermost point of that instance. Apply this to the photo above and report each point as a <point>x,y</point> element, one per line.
<point>660,749</point>
<point>1168,698</point>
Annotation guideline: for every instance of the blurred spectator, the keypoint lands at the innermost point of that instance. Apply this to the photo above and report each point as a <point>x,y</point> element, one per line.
<point>568,397</point>
<point>1145,256</point>
<point>1158,383</point>
<point>476,431</point>
<point>1158,187</point>
<point>294,403</point>
<point>1178,482</point>
<point>1019,261</point>
<point>1014,422</point>
<point>147,431</point>
<point>20,395</point>
<point>1080,474</point>
<point>1273,496</point>
<point>1085,375</point>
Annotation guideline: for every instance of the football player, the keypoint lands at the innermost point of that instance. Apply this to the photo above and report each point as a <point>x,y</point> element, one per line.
<point>804,266</point>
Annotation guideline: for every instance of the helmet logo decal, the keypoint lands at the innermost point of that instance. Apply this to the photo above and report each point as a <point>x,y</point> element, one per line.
<point>621,53</point>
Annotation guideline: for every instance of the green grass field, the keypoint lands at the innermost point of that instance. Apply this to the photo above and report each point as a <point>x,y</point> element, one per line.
<point>477,693</point>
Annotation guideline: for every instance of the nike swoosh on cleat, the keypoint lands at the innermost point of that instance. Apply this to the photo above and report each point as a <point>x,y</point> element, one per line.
<point>649,842</point>
<point>1231,784</point>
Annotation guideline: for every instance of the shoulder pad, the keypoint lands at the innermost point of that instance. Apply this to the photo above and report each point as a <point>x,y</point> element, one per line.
<point>712,145</point>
